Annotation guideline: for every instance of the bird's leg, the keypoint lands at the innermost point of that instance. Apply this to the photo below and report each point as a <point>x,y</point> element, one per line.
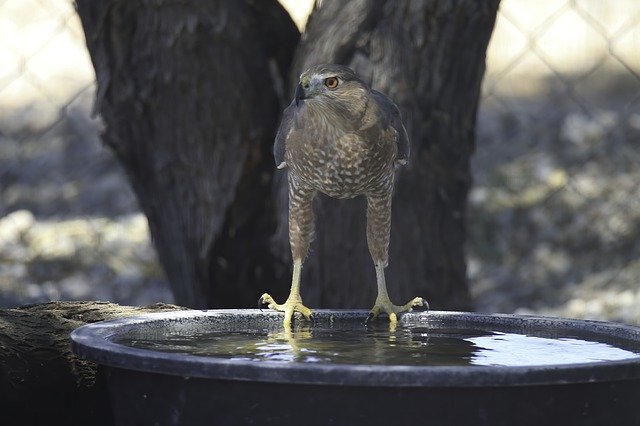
<point>383,303</point>
<point>301,229</point>
<point>378,230</point>
<point>294,301</point>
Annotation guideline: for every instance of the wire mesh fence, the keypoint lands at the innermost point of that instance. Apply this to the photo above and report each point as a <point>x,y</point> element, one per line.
<point>555,209</point>
<point>554,214</point>
<point>69,224</point>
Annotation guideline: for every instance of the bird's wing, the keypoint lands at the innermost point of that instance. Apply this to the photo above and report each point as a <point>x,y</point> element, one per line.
<point>283,133</point>
<point>391,113</point>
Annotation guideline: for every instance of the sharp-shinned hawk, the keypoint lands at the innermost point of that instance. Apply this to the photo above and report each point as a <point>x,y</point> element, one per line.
<point>343,139</point>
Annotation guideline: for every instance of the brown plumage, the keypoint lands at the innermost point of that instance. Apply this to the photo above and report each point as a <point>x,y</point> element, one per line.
<point>341,138</point>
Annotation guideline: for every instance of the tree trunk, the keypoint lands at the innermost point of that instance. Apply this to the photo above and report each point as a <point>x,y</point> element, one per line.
<point>41,381</point>
<point>191,94</point>
<point>429,57</point>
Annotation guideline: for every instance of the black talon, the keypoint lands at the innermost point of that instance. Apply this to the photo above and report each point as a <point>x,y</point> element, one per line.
<point>425,305</point>
<point>260,303</point>
<point>369,318</point>
<point>312,319</point>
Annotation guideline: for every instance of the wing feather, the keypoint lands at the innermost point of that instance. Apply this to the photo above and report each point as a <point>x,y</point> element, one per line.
<point>391,113</point>
<point>279,145</point>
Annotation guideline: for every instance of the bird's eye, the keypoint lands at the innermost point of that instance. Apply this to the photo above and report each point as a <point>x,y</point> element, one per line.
<point>331,82</point>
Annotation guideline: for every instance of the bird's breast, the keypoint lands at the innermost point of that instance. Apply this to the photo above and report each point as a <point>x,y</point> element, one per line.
<point>343,166</point>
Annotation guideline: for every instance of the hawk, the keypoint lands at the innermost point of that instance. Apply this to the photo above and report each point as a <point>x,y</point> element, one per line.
<point>344,139</point>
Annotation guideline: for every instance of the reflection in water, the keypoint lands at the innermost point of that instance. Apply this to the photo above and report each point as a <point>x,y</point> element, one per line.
<point>378,345</point>
<point>508,349</point>
<point>287,345</point>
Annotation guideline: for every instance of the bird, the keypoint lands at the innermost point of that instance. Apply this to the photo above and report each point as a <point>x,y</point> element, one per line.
<point>341,138</point>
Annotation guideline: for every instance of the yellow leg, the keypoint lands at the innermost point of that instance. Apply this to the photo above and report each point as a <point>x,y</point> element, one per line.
<point>383,303</point>
<point>294,301</point>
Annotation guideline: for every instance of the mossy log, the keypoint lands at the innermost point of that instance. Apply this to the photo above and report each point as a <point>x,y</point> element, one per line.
<point>41,381</point>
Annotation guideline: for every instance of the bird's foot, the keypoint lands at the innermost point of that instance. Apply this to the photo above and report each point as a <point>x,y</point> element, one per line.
<point>383,304</point>
<point>293,304</point>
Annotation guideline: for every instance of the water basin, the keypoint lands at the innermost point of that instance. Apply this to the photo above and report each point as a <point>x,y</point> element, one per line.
<point>242,367</point>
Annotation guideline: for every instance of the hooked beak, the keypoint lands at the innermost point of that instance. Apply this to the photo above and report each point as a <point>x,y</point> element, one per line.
<point>299,94</point>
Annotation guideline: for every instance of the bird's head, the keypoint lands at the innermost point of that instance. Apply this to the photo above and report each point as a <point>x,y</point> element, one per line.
<point>331,84</point>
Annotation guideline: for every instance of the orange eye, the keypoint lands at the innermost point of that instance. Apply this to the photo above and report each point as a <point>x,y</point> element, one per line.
<point>331,82</point>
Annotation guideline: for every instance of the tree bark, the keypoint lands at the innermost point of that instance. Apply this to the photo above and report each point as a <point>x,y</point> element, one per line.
<point>191,94</point>
<point>41,381</point>
<point>429,57</point>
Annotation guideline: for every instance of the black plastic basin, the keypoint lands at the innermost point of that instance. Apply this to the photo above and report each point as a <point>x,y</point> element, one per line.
<point>151,386</point>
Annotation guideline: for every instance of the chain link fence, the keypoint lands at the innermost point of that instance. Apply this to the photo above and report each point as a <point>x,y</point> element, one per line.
<point>69,224</point>
<point>554,214</point>
<point>555,210</point>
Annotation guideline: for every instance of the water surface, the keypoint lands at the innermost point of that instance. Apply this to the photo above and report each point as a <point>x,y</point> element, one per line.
<point>377,345</point>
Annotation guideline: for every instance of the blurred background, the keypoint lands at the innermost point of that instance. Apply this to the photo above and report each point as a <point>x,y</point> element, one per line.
<point>554,213</point>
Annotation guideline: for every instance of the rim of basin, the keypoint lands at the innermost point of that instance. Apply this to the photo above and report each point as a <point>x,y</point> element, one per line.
<point>95,342</point>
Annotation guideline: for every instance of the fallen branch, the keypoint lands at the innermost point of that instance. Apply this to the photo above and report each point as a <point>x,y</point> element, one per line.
<point>41,381</point>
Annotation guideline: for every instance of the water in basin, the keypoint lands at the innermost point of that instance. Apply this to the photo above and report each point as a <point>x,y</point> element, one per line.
<point>378,345</point>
